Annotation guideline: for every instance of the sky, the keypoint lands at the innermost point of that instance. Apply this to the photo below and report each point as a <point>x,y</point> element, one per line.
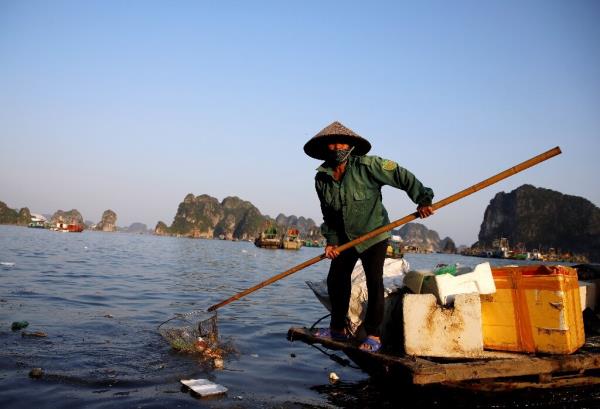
<point>132,105</point>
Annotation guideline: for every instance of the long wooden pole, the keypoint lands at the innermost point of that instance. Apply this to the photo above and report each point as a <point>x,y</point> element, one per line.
<point>444,202</point>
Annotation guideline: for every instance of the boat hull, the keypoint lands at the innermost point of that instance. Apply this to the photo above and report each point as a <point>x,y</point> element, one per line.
<point>68,228</point>
<point>292,245</point>
<point>268,243</point>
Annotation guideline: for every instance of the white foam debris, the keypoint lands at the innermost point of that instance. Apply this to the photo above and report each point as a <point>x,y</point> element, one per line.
<point>204,387</point>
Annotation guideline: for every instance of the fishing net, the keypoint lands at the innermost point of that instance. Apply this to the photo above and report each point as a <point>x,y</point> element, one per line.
<point>195,332</point>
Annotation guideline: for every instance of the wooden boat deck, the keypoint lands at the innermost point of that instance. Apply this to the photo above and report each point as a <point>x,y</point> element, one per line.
<point>495,371</point>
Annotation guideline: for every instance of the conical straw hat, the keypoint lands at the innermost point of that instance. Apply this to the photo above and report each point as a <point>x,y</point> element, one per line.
<point>316,147</point>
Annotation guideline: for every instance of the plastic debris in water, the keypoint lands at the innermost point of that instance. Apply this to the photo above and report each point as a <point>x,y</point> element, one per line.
<point>17,325</point>
<point>201,345</point>
<point>213,353</point>
<point>204,387</point>
<point>36,373</point>
<point>36,334</point>
<point>333,377</point>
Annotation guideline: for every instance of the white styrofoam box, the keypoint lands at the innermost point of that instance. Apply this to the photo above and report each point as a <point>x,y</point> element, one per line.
<point>204,387</point>
<point>437,331</point>
<point>588,293</point>
<point>480,280</point>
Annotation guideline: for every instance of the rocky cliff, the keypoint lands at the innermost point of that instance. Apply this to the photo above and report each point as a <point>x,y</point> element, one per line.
<point>108,222</point>
<point>447,245</point>
<point>539,217</point>
<point>162,229</point>
<point>197,216</point>
<point>419,236</point>
<point>205,217</point>
<point>11,216</point>
<point>137,228</point>
<point>70,217</point>
<point>307,227</point>
<point>241,219</point>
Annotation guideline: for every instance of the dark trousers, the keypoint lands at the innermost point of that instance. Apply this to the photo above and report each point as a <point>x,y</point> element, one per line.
<point>339,286</point>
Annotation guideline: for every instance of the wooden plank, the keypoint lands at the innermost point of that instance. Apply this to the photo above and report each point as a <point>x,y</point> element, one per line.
<point>410,363</point>
<point>453,372</point>
<point>424,371</point>
<point>513,384</point>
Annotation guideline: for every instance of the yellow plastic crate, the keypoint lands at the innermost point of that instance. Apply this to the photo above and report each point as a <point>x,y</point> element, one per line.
<point>535,309</point>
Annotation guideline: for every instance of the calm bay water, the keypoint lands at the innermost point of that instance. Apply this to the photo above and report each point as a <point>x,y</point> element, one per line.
<point>100,298</point>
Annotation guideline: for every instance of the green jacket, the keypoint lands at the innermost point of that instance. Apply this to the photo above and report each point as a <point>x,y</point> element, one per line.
<point>353,205</point>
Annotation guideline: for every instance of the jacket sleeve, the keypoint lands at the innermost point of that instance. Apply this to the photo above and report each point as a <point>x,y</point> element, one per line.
<point>327,229</point>
<point>387,172</point>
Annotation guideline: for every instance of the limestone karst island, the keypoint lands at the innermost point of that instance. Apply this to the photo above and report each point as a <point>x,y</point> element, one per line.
<point>526,223</point>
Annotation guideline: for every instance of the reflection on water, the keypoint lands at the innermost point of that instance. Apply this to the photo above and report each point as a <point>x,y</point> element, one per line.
<point>100,297</point>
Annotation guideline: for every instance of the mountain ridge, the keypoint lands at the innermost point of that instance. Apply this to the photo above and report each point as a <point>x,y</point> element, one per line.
<point>233,218</point>
<point>539,217</point>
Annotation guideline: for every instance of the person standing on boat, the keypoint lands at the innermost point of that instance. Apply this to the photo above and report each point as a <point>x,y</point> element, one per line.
<point>349,185</point>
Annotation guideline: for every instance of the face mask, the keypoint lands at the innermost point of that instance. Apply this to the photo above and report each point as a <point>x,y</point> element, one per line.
<point>341,155</point>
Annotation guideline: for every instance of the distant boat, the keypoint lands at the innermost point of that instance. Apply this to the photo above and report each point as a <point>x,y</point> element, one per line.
<point>394,248</point>
<point>269,239</point>
<point>291,240</point>
<point>37,221</point>
<point>68,228</point>
<point>312,243</point>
